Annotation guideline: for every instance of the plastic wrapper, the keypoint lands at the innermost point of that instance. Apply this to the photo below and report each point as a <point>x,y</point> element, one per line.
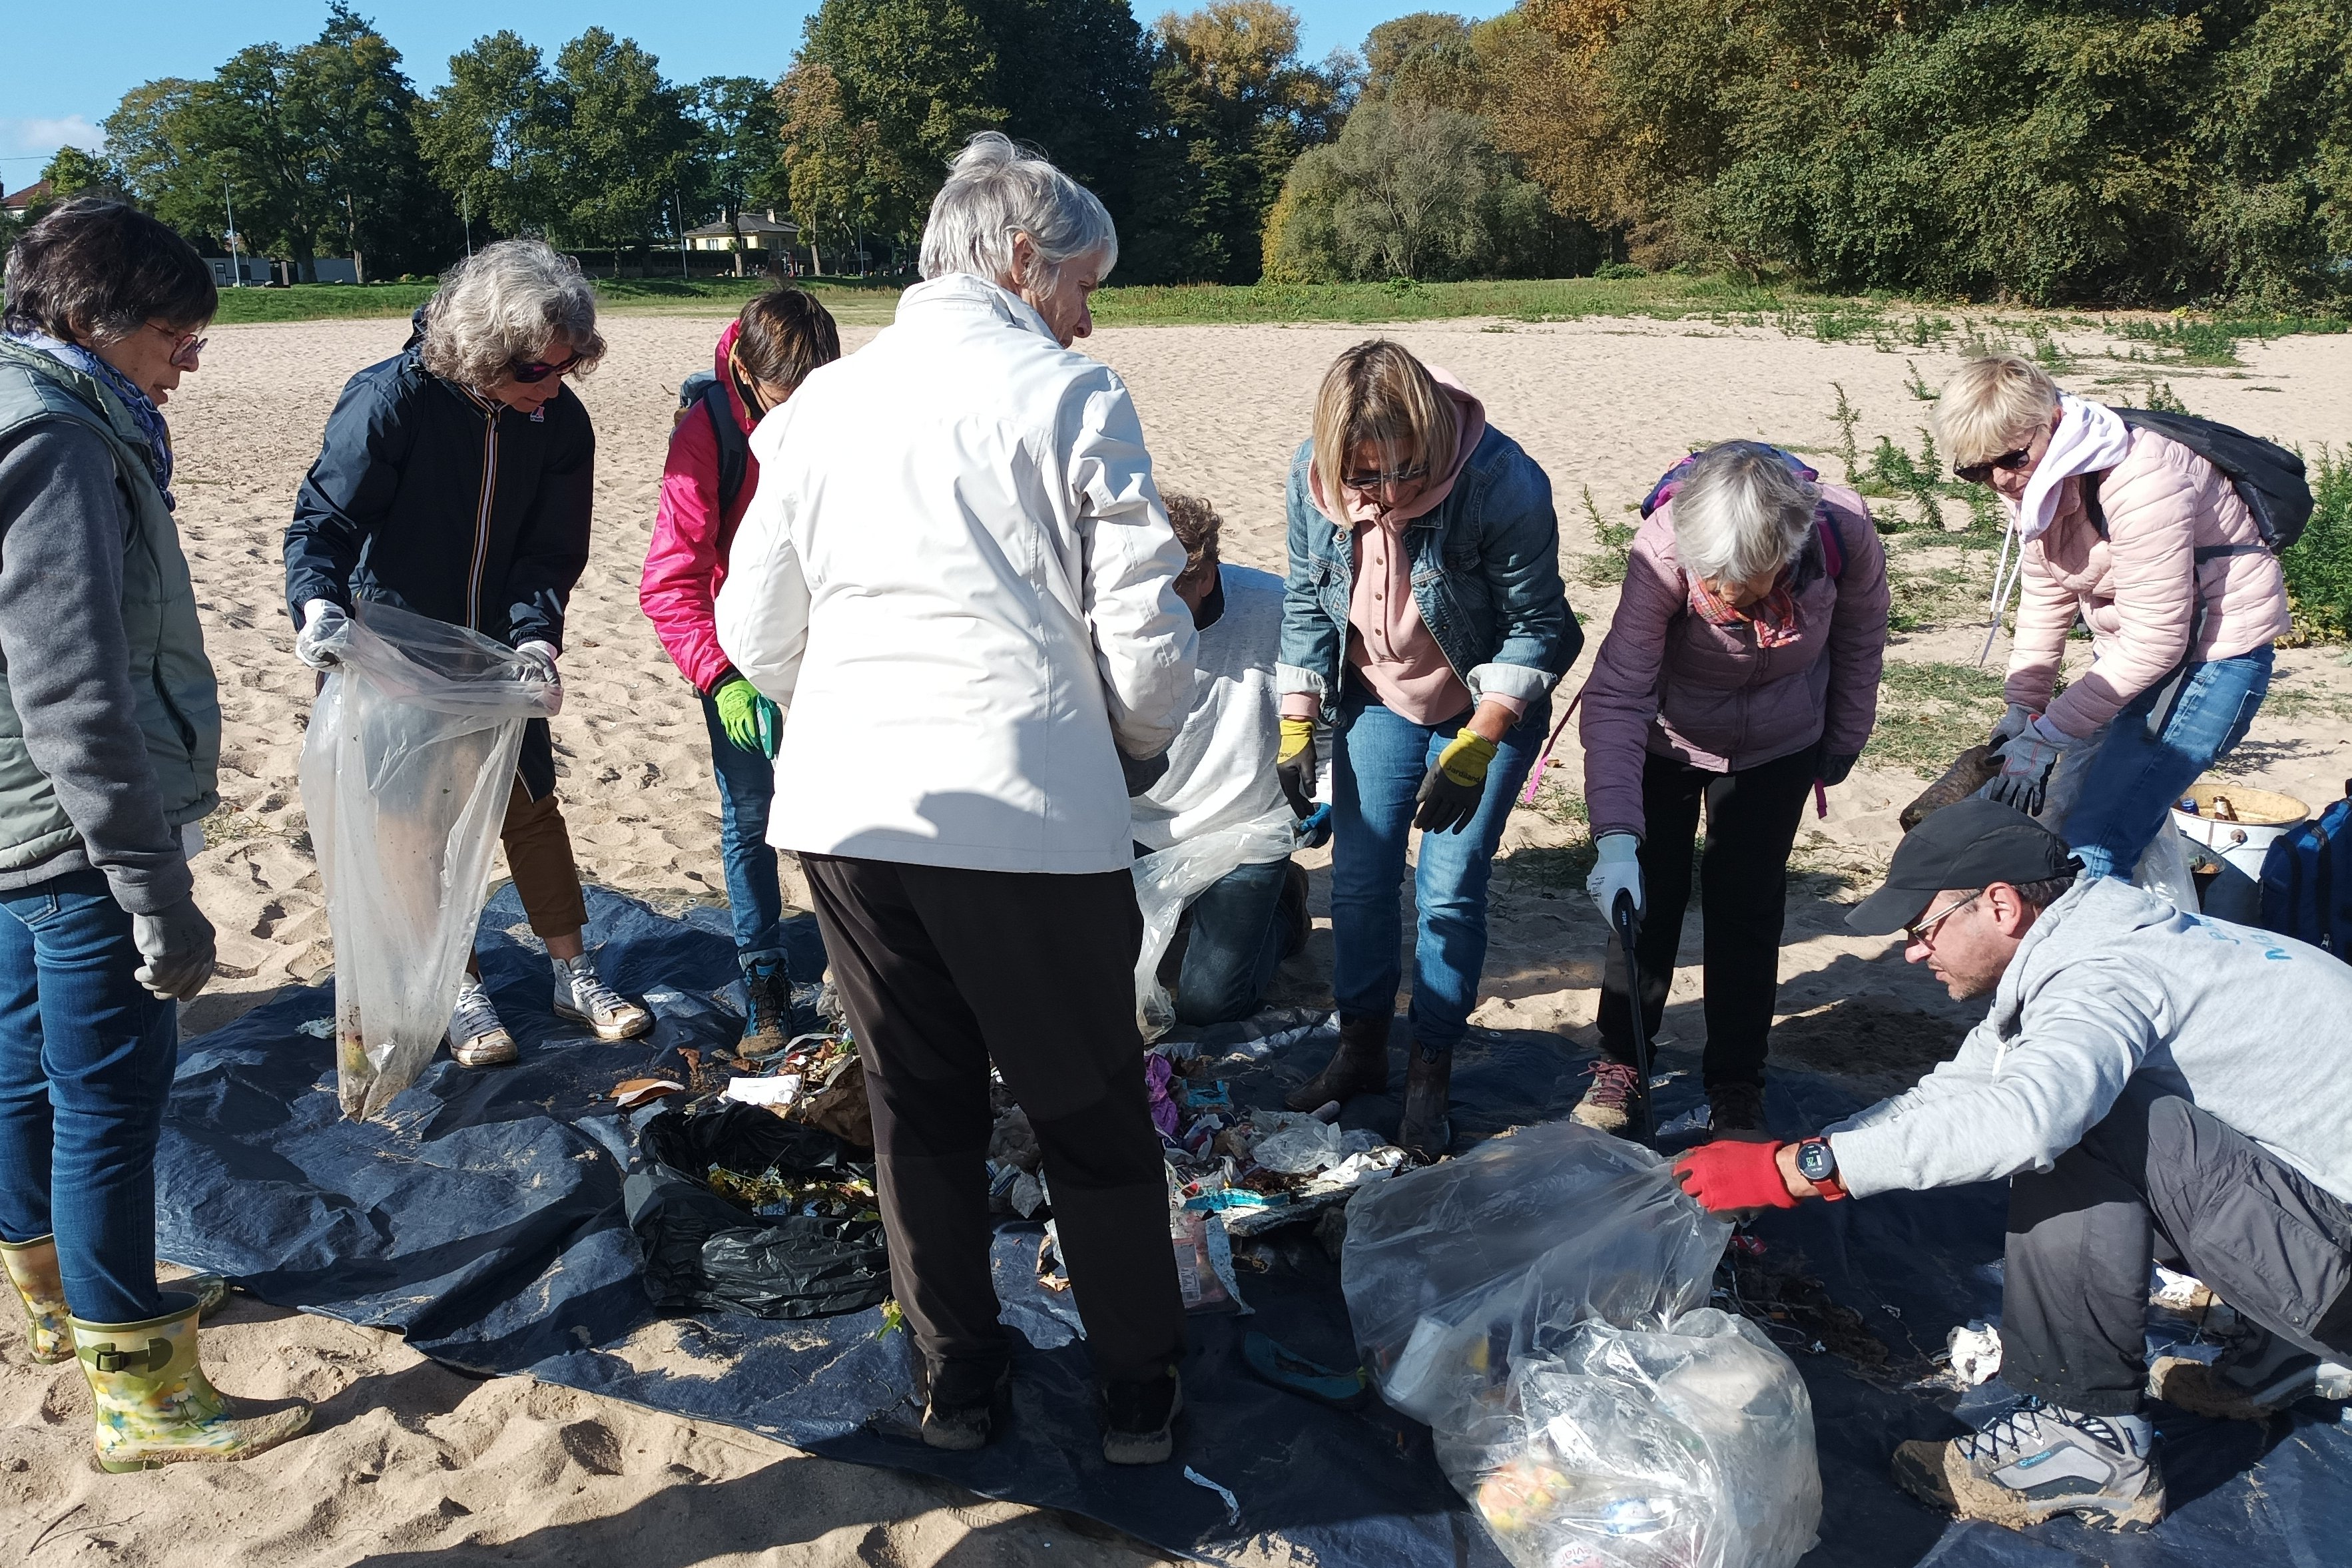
<point>406,769</point>
<point>1686,1446</point>
<point>1169,879</point>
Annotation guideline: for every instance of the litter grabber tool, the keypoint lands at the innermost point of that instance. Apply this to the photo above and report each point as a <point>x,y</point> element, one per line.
<point>1641,1126</point>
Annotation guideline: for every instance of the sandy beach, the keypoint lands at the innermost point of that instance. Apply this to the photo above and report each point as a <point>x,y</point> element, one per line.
<point>411,1458</point>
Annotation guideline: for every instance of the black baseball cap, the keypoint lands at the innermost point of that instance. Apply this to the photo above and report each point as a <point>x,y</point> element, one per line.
<point>1968,843</point>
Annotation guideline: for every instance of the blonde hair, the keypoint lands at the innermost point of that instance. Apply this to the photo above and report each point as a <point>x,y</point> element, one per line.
<point>1993,403</point>
<point>503,306</point>
<point>1741,514</point>
<point>1378,391</point>
<point>1196,524</point>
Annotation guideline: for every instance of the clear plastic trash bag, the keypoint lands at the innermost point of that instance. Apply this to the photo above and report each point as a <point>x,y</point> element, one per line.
<point>406,769</point>
<point>1686,1446</point>
<point>1168,880</point>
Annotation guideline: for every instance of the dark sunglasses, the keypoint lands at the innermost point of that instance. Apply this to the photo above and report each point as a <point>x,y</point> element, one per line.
<point>1981,473</point>
<point>537,371</point>
<point>1377,479</point>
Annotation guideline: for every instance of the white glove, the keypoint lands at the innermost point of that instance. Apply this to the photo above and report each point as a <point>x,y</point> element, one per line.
<point>540,659</point>
<point>175,951</point>
<point>323,626</point>
<point>2026,762</point>
<point>1617,871</point>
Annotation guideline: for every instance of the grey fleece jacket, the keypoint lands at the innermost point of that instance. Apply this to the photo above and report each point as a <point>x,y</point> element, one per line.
<point>62,526</point>
<point>2113,984</point>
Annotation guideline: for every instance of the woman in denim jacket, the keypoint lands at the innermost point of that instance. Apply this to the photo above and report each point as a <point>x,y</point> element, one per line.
<point>1424,625</point>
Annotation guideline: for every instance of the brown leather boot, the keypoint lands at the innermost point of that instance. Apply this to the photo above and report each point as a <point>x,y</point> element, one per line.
<point>1361,1066</point>
<point>1426,1132</point>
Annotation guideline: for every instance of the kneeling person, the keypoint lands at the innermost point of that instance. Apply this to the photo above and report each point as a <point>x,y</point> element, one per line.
<point>1221,775</point>
<point>2134,1084</point>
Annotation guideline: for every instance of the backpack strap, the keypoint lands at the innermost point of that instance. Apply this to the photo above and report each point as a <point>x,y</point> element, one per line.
<point>734,446</point>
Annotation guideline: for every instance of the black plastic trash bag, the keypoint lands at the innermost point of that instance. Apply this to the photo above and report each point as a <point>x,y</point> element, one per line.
<point>705,1251</point>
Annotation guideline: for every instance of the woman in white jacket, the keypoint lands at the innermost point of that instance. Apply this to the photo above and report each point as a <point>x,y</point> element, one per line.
<point>959,579</point>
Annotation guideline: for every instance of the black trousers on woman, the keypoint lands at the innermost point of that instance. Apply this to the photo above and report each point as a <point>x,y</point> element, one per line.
<point>1751,821</point>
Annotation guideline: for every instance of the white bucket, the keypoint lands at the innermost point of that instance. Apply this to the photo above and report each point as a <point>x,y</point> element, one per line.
<point>2237,825</point>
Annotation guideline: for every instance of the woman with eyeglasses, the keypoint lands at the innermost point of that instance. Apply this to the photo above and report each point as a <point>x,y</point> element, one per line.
<point>110,740</point>
<point>1424,626</point>
<point>456,481</point>
<point>2152,548</point>
<point>707,485</point>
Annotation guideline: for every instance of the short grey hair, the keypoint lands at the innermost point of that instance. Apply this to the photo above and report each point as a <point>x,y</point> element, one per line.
<point>505,305</point>
<point>996,190</point>
<point>1741,513</point>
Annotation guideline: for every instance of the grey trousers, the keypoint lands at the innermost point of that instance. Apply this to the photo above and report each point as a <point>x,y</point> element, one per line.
<point>2161,1180</point>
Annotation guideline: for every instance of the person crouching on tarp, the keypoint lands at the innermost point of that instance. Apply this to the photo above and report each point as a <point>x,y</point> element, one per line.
<point>959,579</point>
<point>457,480</point>
<point>2136,1085</point>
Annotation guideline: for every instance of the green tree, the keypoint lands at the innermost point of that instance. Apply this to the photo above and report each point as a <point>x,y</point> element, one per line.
<point>838,176</point>
<point>148,139</point>
<point>349,100</point>
<point>489,137</point>
<point>740,128</point>
<point>625,141</point>
<point>76,172</point>
<point>920,73</point>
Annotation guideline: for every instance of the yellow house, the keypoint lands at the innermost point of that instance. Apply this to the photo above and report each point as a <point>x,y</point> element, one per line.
<point>759,232</point>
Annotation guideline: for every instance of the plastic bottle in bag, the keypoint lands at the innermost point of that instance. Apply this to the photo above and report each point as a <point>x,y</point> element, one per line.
<point>406,769</point>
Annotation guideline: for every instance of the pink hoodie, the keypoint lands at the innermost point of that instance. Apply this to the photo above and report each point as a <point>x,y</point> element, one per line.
<point>686,560</point>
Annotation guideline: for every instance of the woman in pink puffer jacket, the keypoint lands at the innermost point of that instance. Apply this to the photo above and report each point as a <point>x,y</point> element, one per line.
<point>1741,666</point>
<point>2151,546</point>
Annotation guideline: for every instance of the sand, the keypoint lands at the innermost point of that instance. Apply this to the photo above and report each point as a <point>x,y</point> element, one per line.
<point>410,1457</point>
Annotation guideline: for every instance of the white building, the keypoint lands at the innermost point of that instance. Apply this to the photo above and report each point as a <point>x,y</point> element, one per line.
<point>759,232</point>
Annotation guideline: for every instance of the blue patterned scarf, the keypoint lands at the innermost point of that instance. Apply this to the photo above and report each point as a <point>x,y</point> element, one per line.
<point>142,408</point>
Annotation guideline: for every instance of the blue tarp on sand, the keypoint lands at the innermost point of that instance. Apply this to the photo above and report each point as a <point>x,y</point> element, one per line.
<point>484,1223</point>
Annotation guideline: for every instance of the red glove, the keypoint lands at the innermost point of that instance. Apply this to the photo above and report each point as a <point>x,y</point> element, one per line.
<point>1726,1175</point>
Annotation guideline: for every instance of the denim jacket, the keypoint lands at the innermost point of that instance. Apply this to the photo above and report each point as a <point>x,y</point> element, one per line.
<point>1485,576</point>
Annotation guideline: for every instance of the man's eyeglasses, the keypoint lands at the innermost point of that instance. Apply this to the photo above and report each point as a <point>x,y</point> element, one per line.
<point>1981,473</point>
<point>1917,931</point>
<point>186,346</point>
<point>537,371</point>
<point>1378,479</point>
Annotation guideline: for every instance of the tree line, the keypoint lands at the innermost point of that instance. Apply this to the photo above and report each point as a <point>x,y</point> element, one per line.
<point>2136,152</point>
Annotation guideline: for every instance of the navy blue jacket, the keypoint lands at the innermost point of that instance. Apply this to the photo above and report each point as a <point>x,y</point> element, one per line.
<point>427,496</point>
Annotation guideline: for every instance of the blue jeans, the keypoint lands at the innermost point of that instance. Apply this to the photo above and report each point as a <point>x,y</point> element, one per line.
<point>2136,778</point>
<point>85,1062</point>
<point>1379,762</point>
<point>1235,947</point>
<point>747,788</point>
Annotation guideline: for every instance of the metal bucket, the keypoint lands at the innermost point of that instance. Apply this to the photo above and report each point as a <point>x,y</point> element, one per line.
<point>2235,826</point>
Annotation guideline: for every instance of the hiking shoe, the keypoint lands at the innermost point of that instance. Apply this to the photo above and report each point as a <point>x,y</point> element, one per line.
<point>2034,1464</point>
<point>1360,1065</point>
<point>1608,1103</point>
<point>1736,1110</point>
<point>963,1400</point>
<point>476,1037</point>
<point>1140,1418</point>
<point>2254,1380</point>
<point>1426,1132</point>
<point>767,1009</point>
<point>584,997</point>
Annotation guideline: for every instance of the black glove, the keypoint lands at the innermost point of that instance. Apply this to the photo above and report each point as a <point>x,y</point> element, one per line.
<point>1141,774</point>
<point>1454,784</point>
<point>177,947</point>
<point>1834,769</point>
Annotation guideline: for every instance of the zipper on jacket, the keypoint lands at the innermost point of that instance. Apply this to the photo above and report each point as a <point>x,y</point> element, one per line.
<point>482,506</point>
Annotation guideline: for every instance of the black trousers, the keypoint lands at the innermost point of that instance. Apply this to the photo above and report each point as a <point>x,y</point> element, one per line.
<point>943,971</point>
<point>2161,1180</point>
<point>1751,821</point>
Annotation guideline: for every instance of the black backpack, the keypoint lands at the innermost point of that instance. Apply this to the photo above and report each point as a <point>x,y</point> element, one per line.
<point>2267,476</point>
<point>734,446</point>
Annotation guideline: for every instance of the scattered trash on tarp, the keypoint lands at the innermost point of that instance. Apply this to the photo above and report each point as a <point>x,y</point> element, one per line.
<point>1232,1503</point>
<point>631,1093</point>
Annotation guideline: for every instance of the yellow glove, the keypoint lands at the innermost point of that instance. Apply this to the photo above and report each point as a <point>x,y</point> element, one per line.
<point>1297,734</point>
<point>1456,784</point>
<point>1294,765</point>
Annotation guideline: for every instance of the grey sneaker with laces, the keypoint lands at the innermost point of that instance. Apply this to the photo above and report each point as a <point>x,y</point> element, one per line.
<point>476,1037</point>
<point>2035,1463</point>
<point>2254,1380</point>
<point>582,996</point>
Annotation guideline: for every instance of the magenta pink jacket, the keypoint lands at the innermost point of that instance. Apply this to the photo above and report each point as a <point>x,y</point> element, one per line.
<point>2139,588</point>
<point>686,560</point>
<point>1668,682</point>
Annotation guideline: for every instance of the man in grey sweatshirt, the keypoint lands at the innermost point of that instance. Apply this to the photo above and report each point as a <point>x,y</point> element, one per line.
<point>2152,1086</point>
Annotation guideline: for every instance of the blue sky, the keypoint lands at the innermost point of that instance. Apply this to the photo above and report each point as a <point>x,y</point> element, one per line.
<point>69,64</point>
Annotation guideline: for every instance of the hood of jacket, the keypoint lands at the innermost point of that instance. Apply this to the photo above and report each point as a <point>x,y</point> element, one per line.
<point>967,291</point>
<point>1470,428</point>
<point>726,374</point>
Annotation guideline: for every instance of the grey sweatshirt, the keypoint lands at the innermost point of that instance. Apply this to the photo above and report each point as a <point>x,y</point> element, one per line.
<point>2113,984</point>
<point>62,526</point>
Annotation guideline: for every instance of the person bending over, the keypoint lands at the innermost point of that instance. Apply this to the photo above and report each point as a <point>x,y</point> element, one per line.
<point>2134,1084</point>
<point>456,481</point>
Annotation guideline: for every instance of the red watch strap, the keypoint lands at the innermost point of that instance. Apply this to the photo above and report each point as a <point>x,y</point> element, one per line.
<point>1829,1187</point>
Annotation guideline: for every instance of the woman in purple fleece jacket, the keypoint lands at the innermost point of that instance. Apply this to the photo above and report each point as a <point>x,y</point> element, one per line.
<point>1742,666</point>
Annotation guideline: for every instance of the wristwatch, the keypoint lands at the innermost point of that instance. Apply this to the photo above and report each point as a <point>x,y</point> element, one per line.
<point>1818,1164</point>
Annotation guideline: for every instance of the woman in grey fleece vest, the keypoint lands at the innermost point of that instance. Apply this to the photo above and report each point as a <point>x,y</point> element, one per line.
<point>110,734</point>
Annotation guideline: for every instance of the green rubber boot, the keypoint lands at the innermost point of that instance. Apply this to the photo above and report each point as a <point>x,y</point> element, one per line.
<point>155,1406</point>
<point>33,1268</point>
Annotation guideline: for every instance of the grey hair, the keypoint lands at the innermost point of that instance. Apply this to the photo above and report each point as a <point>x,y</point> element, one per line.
<point>996,190</point>
<point>1741,514</point>
<point>505,305</point>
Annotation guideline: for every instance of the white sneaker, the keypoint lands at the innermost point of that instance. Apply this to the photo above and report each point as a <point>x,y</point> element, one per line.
<point>476,1037</point>
<point>584,997</point>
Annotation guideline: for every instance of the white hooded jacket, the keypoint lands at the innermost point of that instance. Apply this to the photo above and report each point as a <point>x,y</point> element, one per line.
<point>957,576</point>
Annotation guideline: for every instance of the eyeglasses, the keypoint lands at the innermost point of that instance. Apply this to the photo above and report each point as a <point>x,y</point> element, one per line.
<point>1381,480</point>
<point>186,346</point>
<point>1981,473</point>
<point>1917,931</point>
<point>537,371</point>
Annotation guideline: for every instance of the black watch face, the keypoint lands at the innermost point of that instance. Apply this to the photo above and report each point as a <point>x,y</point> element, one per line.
<point>1814,1161</point>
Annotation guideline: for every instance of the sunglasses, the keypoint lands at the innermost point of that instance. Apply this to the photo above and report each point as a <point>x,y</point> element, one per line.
<point>1379,480</point>
<point>1981,473</point>
<point>538,371</point>
<point>186,346</point>
<point>1917,931</point>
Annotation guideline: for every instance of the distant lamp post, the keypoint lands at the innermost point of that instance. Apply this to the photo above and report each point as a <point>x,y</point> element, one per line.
<point>235,266</point>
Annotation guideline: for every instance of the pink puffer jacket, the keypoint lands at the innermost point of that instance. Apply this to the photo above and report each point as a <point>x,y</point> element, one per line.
<point>686,559</point>
<point>1668,682</point>
<point>2139,588</point>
